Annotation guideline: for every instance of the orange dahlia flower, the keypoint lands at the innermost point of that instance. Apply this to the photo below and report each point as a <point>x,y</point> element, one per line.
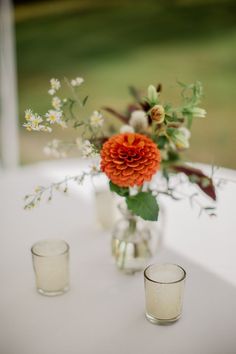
<point>130,159</point>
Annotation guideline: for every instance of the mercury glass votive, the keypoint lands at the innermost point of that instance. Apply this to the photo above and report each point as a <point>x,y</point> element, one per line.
<point>51,266</point>
<point>164,289</point>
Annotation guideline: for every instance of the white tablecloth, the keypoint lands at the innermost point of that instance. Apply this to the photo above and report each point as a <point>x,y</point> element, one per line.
<point>104,310</point>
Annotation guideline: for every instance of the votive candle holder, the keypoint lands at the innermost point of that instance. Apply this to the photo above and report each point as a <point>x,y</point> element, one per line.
<point>51,266</point>
<point>164,290</point>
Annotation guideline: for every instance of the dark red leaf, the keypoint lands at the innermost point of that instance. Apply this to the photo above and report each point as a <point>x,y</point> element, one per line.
<point>197,176</point>
<point>122,117</point>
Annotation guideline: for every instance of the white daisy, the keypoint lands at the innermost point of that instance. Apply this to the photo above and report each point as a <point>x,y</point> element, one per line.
<point>34,124</point>
<point>138,120</point>
<point>55,84</point>
<point>51,92</point>
<point>88,149</point>
<point>46,129</point>
<point>96,119</point>
<point>56,103</point>
<point>53,148</point>
<point>63,124</point>
<point>28,114</point>
<point>54,116</point>
<point>77,82</point>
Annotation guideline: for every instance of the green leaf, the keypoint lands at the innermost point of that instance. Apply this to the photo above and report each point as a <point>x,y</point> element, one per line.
<point>170,131</point>
<point>161,141</point>
<point>122,191</point>
<point>78,124</point>
<point>143,204</point>
<point>173,156</point>
<point>85,100</point>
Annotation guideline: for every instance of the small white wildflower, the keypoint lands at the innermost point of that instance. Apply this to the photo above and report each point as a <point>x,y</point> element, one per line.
<point>56,103</point>
<point>34,124</point>
<point>47,129</point>
<point>64,100</point>
<point>138,120</point>
<point>96,119</point>
<point>54,116</point>
<point>77,82</point>
<point>126,129</point>
<point>88,149</point>
<point>51,92</point>
<point>27,126</point>
<point>63,124</point>
<point>54,149</point>
<point>95,168</point>
<point>28,114</point>
<point>55,84</point>
<point>36,120</point>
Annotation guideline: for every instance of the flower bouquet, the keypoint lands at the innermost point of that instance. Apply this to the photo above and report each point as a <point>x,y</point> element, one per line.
<point>147,137</point>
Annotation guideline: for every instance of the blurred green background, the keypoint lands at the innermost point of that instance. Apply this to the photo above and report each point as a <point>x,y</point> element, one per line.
<point>113,44</point>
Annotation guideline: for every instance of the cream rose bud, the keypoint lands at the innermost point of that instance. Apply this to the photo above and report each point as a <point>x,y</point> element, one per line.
<point>158,113</point>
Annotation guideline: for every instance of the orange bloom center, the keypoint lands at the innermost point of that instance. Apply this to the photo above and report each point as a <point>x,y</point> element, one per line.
<point>130,159</point>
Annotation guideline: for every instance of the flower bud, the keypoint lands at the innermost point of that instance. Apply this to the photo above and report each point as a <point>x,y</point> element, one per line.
<point>198,112</point>
<point>181,137</point>
<point>158,113</point>
<point>152,94</point>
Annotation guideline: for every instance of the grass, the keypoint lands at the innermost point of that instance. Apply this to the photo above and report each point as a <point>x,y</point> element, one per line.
<point>117,44</point>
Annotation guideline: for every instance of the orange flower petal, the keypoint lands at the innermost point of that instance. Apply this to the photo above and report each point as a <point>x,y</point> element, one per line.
<point>130,159</point>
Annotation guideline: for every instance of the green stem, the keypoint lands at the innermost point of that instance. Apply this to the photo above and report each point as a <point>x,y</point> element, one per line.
<point>132,225</point>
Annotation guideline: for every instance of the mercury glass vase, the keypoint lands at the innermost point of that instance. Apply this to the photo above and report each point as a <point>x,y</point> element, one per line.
<point>132,242</point>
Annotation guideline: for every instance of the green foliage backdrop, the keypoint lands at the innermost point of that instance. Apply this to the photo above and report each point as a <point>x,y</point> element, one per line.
<point>117,43</point>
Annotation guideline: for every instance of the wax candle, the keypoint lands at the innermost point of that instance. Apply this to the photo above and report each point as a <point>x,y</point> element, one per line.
<point>50,262</point>
<point>164,287</point>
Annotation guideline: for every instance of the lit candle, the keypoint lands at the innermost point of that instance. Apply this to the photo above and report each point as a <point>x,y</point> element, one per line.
<point>50,262</point>
<point>164,287</point>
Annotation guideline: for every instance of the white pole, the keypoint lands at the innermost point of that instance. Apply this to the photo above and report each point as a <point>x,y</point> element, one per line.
<point>8,88</point>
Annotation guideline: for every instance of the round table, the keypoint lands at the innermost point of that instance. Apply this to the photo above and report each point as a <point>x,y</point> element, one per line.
<point>104,310</point>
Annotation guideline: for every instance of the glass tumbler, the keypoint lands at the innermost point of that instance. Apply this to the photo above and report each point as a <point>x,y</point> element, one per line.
<point>51,266</point>
<point>164,289</point>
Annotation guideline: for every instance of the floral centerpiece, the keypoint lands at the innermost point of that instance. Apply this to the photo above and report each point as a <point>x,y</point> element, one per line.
<point>150,137</point>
